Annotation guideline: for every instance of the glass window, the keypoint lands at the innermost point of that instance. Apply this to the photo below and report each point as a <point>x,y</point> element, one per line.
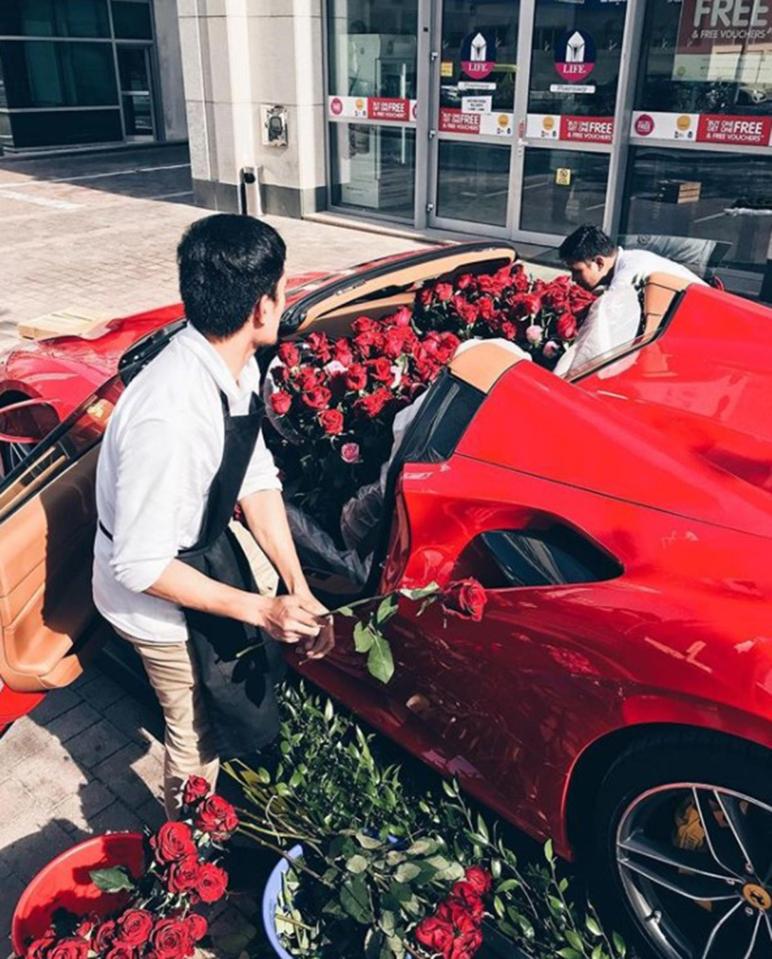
<point>714,196</point>
<point>373,167</point>
<point>561,189</point>
<point>57,18</point>
<point>479,53</point>
<point>473,182</point>
<point>372,48</point>
<point>131,20</point>
<point>48,74</point>
<point>41,128</point>
<point>706,57</point>
<point>575,57</point>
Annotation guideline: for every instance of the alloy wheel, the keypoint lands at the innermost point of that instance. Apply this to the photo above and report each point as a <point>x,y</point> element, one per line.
<point>695,861</point>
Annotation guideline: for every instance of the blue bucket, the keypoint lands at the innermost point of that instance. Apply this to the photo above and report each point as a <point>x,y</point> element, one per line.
<point>272,897</point>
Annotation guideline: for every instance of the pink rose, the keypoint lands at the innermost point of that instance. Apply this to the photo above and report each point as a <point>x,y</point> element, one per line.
<point>349,452</point>
<point>534,334</point>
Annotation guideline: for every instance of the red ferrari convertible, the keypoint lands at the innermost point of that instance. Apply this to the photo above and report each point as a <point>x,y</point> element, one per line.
<point>618,695</point>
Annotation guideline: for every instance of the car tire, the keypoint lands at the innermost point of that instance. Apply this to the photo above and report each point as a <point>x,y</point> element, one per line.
<point>652,807</point>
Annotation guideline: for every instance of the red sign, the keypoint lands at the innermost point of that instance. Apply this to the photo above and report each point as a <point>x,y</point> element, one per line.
<point>587,129</point>
<point>716,26</point>
<point>336,106</point>
<point>454,121</point>
<point>739,131</point>
<point>644,125</point>
<point>388,108</point>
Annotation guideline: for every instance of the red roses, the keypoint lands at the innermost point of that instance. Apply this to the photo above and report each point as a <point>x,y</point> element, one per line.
<point>454,930</point>
<point>182,872</point>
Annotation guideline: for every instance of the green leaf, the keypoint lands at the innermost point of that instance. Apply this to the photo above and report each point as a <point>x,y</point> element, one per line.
<point>329,709</point>
<point>593,926</point>
<point>400,891</point>
<point>598,953</point>
<point>549,851</point>
<point>364,638</point>
<point>507,886</point>
<point>482,828</point>
<point>345,611</point>
<point>380,662</point>
<point>568,953</point>
<point>423,847</point>
<point>355,899</point>
<point>388,607</point>
<point>368,842</point>
<point>356,864</point>
<point>407,871</point>
<point>116,879</point>
<point>574,939</point>
<point>619,944</point>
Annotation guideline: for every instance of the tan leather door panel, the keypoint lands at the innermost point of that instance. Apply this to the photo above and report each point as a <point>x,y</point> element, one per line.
<point>45,580</point>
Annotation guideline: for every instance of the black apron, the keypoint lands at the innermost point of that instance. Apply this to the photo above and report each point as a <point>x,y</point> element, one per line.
<point>238,691</point>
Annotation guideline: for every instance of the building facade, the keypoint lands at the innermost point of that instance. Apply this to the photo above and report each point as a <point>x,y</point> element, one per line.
<point>506,118</point>
<point>76,72</point>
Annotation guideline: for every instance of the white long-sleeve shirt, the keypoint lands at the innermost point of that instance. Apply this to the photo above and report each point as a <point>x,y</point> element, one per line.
<point>161,450</point>
<point>634,265</point>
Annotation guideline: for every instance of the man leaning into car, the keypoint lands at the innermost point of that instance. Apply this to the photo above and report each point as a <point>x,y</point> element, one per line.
<point>181,450</point>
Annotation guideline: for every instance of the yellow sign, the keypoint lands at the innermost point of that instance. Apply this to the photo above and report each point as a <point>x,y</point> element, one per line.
<point>503,120</point>
<point>359,103</point>
<point>563,176</point>
<point>446,68</point>
<point>683,122</point>
<point>548,124</point>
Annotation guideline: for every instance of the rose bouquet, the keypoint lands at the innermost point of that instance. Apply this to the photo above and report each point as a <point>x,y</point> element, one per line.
<point>332,402</point>
<point>182,872</point>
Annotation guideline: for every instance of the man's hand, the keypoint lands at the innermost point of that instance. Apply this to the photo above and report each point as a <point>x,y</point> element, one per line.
<point>290,619</point>
<point>324,642</point>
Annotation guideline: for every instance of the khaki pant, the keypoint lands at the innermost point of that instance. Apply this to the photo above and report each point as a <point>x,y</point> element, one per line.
<point>188,741</point>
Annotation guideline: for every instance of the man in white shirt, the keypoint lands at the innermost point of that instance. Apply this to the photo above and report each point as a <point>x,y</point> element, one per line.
<point>182,448</point>
<point>595,260</point>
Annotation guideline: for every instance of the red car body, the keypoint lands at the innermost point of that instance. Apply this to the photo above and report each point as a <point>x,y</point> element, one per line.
<point>661,460</point>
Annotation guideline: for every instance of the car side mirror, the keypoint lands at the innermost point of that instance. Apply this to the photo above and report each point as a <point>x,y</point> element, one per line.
<point>27,421</point>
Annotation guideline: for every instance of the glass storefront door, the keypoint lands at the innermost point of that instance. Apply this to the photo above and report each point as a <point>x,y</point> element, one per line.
<point>136,91</point>
<point>474,66</point>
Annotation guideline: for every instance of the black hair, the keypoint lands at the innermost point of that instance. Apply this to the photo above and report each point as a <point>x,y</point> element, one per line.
<point>227,263</point>
<point>586,243</point>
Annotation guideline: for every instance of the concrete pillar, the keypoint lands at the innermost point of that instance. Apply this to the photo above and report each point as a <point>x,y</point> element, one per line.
<point>172,119</point>
<point>241,55</point>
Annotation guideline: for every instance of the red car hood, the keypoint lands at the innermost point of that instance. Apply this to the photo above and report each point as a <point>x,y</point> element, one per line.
<point>705,384</point>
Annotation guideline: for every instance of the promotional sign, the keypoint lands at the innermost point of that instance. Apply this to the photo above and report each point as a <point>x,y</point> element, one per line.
<point>575,55</point>
<point>541,126</point>
<point>453,120</point>
<point>724,40</point>
<point>704,128</point>
<point>382,109</point>
<point>476,104</point>
<point>478,54</point>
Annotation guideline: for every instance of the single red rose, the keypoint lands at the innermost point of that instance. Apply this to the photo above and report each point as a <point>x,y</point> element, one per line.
<point>380,370</point>
<point>194,789</point>
<point>365,324</point>
<point>133,928</point>
<point>566,326</point>
<point>317,398</point>
<point>459,914</point>
<point>403,317</point>
<point>464,281</point>
<point>342,352</point>
<point>215,814</point>
<point>430,345</point>
<point>281,403</point>
<point>394,341</point>
<point>532,303</point>
<point>466,946</point>
<point>38,948</point>
<point>104,936</point>
<point>447,346</point>
<point>356,377</point>
<point>307,378</point>
<point>466,894</point>
<point>480,879</point>
<point>465,598</point>
<point>183,875</point>
<point>520,281</point>
<point>73,947</point>
<point>426,369</point>
<point>197,926</point>
<point>444,291</point>
<point>320,346</point>
<point>289,354</point>
<point>373,403</point>
<point>172,842</point>
<point>368,342</point>
<point>85,927</point>
<point>486,307</point>
<point>469,312</point>
<point>170,939</point>
<point>426,296</point>
<point>434,934</point>
<point>332,422</point>
<point>509,330</point>
<point>212,883</point>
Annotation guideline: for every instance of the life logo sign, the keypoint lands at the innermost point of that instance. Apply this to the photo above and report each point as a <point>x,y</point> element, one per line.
<point>575,56</point>
<point>336,106</point>
<point>478,54</point>
<point>644,125</point>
